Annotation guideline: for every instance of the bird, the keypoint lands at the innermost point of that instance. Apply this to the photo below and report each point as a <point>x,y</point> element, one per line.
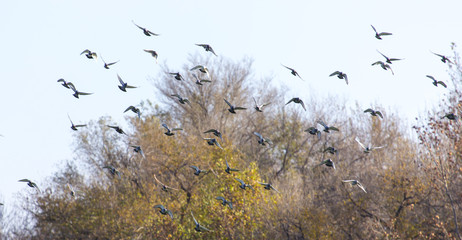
<point>212,141</point>
<point>389,60</point>
<point>106,65</point>
<point>134,109</point>
<point>138,149</point>
<point>170,131</point>
<point>297,100</point>
<point>450,116</point>
<point>340,75</point>
<point>207,48</point>
<point>295,73</point>
<point>71,190</point>
<point>225,202</point>
<point>30,183</point>
<point>177,76</point>
<point>202,69</point>
<point>64,83</point>
<point>261,139</point>
<point>259,108</point>
<point>435,82</point>
<point>164,211</point>
<point>198,227</point>
<point>89,54</point>
<point>199,81</point>
<point>355,183</point>
<point>228,169</point>
<point>233,108</point>
<point>374,112</point>
<point>145,31</point>
<point>369,148</point>
<point>330,150</point>
<point>215,132</point>
<point>123,85</point>
<point>243,185</point>
<point>328,162</point>
<point>443,58</point>
<point>379,35</point>
<point>314,131</point>
<point>384,66</point>
<point>112,170</point>
<point>268,186</point>
<point>180,99</point>
<point>327,128</point>
<point>74,127</point>
<point>76,93</point>
<point>164,188</point>
<point>117,129</point>
<point>153,53</point>
<point>197,171</point>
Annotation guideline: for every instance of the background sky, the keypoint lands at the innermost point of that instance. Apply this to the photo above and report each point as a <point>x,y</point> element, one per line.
<point>41,42</point>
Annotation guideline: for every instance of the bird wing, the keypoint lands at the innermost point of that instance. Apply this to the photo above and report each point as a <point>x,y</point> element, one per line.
<point>334,73</point>
<point>439,55</point>
<point>229,104</point>
<point>334,129</point>
<point>382,54</point>
<point>442,83</point>
<point>374,28</point>
<point>255,101</point>
<point>155,34</point>
<point>211,131</point>
<point>346,78</point>
<point>378,62</point>
<point>218,145</point>
<point>379,113</point>
<point>258,135</point>
<point>84,93</point>
<point>372,148</point>
<point>431,77</point>
<point>129,108</point>
<point>303,104</point>
<point>159,206</point>
<point>80,125</point>
<point>112,63</point>
<point>220,198</point>
<point>369,110</point>
<point>165,126</point>
<point>291,69</point>
<point>177,129</point>
<point>61,80</point>
<point>240,108</point>
<point>129,86</point>
<point>395,59</point>
<point>170,213</point>
<point>197,67</point>
<point>227,165</point>
<point>384,34</point>
<point>309,129</point>
<point>361,186</point>
<point>71,86</point>
<point>24,180</point>
<point>322,123</point>
<point>271,186</point>
<point>85,51</point>
<point>138,25</point>
<point>240,181</point>
<point>348,181</point>
<point>195,221</point>
<point>120,79</point>
<point>291,100</point>
<point>360,144</point>
<point>195,168</point>
<point>204,228</point>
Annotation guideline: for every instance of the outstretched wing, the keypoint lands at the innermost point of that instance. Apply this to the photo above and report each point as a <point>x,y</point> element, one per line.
<point>240,181</point>
<point>442,83</point>
<point>120,79</point>
<point>129,108</point>
<point>258,135</point>
<point>229,104</point>
<point>165,126</point>
<point>360,144</point>
<point>374,29</point>
<point>334,73</point>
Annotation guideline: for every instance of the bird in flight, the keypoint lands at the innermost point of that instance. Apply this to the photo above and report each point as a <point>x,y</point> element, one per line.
<point>138,149</point>
<point>64,83</point>
<point>164,211</point>
<point>153,53</point>
<point>435,82</point>
<point>389,60</point>
<point>340,75</point>
<point>112,170</point>
<point>259,108</point>
<point>355,183</point>
<point>170,131</point>
<point>164,188</point>
<point>368,148</point>
<point>379,35</point>
<point>74,127</point>
<point>450,116</point>
<point>261,139</point>
<point>268,186</point>
<point>297,100</point>
<point>228,169</point>
<point>295,73</point>
<point>202,69</point>
<point>233,108</point>
<point>117,129</point>
<point>200,81</point>
<point>134,109</point>
<point>198,227</point>
<point>145,31</point>
<point>374,112</point>
<point>212,141</point>
<point>30,183</point>
<point>443,58</point>
<point>384,66</point>
<point>328,162</point>
<point>243,185</point>
<point>225,202</point>
<point>197,170</point>
<point>106,65</point>
<point>314,131</point>
<point>327,128</point>
<point>123,85</point>
<point>76,93</point>
<point>215,132</point>
<point>180,99</point>
<point>89,54</point>
<point>207,48</point>
<point>177,76</point>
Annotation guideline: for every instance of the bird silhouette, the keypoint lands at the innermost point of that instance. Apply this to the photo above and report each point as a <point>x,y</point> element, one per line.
<point>389,60</point>
<point>170,131</point>
<point>164,188</point>
<point>259,108</point>
<point>355,183</point>
<point>212,141</point>
<point>197,170</point>
<point>76,93</point>
<point>106,65</point>
<point>117,129</point>
<point>340,75</point>
<point>262,140</point>
<point>30,183</point>
<point>450,116</point>
<point>180,99</point>
<point>134,109</point>
<point>177,76</point>
<point>314,131</point>
<point>297,100</point>
<point>374,112</point>
<point>330,150</point>
<point>138,149</point>
<point>295,73</point>
<point>268,186</point>
<point>233,108</point>
<point>207,48</point>
<point>112,170</point>
<point>243,185</point>
<point>123,85</point>
<point>198,227</point>
<point>89,54</point>
<point>200,81</point>
<point>443,58</point>
<point>153,53</point>
<point>384,66</point>
<point>225,202</point>
<point>228,169</point>
<point>164,211</point>
<point>328,162</point>
<point>145,31</point>
<point>435,82</point>
<point>74,127</point>
<point>327,129</point>
<point>379,35</point>
<point>202,69</point>
<point>369,148</point>
<point>215,132</point>
<point>64,83</point>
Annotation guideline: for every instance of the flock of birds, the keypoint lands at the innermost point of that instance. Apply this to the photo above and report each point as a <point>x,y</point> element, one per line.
<point>203,77</point>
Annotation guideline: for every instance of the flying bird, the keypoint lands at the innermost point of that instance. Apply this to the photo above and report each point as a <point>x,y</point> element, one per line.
<point>138,149</point>
<point>384,66</point>
<point>374,112</point>
<point>197,171</point>
<point>207,48</point>
<point>443,58</point>
<point>112,170</point>
<point>262,140</point>
<point>297,100</point>
<point>328,162</point>
<point>368,148</point>
<point>295,73</point>
<point>355,183</point>
<point>228,169</point>
<point>314,131</point>
<point>233,108</point>
<point>153,53</point>
<point>74,127</point>
<point>259,108</point>
<point>330,150</point>
<point>180,99</point>
<point>64,83</point>
<point>71,190</point>
<point>212,141</point>
<point>170,131</point>
<point>379,35</point>
<point>202,69</point>
<point>200,81</point>
<point>327,128</point>
<point>435,82</point>
<point>340,75</point>
<point>134,109</point>
<point>268,186</point>
<point>389,60</point>
<point>164,211</point>
<point>76,93</point>
<point>164,188</point>
<point>117,129</point>
<point>225,202</point>
<point>89,54</point>
<point>198,227</point>
<point>177,76</point>
<point>123,85</point>
<point>106,65</point>
<point>450,116</point>
<point>215,132</point>
<point>243,185</point>
<point>145,31</point>
<point>30,183</point>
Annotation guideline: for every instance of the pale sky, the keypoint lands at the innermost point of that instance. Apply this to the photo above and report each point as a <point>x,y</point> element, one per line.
<point>42,40</point>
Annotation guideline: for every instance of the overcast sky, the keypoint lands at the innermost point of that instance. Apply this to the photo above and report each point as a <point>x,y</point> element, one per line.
<point>41,42</point>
